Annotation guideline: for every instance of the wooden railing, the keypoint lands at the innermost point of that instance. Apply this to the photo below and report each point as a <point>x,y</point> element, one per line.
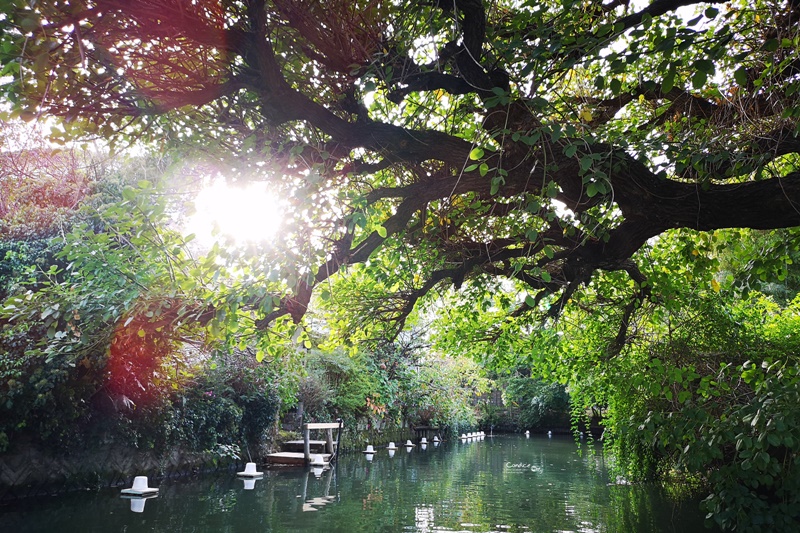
<point>330,446</point>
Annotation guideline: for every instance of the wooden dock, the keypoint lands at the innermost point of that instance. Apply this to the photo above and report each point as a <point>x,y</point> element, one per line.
<point>316,446</point>
<point>292,458</point>
<point>326,448</point>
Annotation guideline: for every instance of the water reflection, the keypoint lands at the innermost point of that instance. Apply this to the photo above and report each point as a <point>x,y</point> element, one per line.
<point>508,484</point>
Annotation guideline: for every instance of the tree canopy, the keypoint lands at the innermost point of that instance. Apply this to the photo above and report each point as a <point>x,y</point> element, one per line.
<point>445,143</point>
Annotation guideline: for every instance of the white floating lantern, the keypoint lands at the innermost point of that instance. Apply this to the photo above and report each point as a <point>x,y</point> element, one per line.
<point>549,433</point>
<point>140,488</point>
<point>250,471</point>
<point>369,449</point>
<point>463,437</point>
<point>391,446</point>
<point>318,460</point>
<point>423,441</point>
<point>436,438</point>
<point>409,444</point>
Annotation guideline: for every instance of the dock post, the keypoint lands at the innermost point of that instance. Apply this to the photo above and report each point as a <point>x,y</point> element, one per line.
<point>329,440</point>
<point>306,445</point>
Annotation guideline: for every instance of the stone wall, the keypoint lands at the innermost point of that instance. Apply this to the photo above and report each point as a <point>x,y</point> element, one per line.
<point>33,472</point>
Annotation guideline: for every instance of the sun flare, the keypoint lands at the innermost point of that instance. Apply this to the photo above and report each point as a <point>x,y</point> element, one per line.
<point>244,214</point>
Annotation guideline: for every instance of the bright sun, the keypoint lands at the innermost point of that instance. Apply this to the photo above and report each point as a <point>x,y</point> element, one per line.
<point>245,214</point>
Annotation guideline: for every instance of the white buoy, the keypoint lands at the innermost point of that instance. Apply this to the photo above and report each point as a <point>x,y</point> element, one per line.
<point>463,437</point>
<point>391,446</point>
<point>423,441</point>
<point>140,488</point>
<point>549,433</point>
<point>527,434</point>
<point>250,471</point>
<point>436,438</point>
<point>409,444</point>
<point>369,449</point>
<point>318,460</point>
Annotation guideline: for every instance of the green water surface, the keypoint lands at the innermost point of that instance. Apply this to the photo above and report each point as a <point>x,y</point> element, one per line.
<point>504,484</point>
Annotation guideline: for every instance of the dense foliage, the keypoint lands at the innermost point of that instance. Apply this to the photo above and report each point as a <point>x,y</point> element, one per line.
<point>94,328</point>
<point>606,192</point>
<point>536,403</point>
<point>443,143</point>
<point>703,389</point>
<point>392,386</point>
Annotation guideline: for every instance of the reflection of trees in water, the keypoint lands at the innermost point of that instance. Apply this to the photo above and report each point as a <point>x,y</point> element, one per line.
<point>526,485</point>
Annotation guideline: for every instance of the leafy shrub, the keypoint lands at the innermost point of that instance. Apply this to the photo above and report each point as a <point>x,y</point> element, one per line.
<point>538,403</point>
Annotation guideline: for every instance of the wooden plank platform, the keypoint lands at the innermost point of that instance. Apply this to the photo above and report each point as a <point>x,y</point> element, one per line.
<point>310,442</point>
<point>297,445</point>
<point>292,458</point>
<point>321,425</point>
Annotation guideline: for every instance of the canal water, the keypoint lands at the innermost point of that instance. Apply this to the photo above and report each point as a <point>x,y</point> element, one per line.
<point>503,484</point>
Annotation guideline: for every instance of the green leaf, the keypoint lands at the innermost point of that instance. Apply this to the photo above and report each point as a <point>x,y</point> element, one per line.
<point>699,79</point>
<point>771,45</point>
<point>599,83</point>
<point>705,65</point>
<point>476,153</point>
<point>381,231</point>
<point>740,75</point>
<point>668,82</point>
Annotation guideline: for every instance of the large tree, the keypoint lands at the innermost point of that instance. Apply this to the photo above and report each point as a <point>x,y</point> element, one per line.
<point>449,142</point>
